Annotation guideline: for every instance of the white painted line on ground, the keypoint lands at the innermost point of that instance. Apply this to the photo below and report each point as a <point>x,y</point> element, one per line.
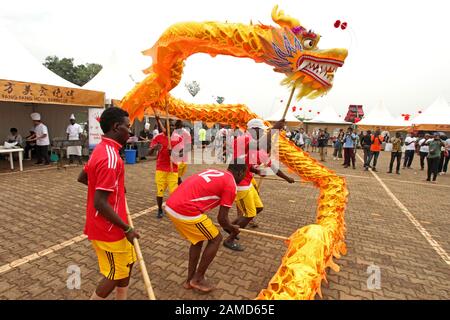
<point>57,247</point>
<point>440,251</point>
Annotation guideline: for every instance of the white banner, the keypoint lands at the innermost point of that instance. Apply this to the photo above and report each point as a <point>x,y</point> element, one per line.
<point>95,132</point>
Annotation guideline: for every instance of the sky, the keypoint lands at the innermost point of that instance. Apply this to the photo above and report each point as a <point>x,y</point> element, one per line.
<point>398,50</point>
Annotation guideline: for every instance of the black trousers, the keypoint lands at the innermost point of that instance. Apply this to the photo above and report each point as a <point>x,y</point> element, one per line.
<point>409,156</point>
<point>433,166</point>
<point>395,155</point>
<point>423,155</point>
<point>42,154</point>
<point>366,155</point>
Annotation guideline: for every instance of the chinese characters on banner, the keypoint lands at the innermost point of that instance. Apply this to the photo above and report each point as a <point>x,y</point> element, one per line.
<point>95,132</point>
<point>17,91</point>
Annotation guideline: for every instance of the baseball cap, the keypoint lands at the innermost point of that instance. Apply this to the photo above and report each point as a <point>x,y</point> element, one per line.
<point>256,123</point>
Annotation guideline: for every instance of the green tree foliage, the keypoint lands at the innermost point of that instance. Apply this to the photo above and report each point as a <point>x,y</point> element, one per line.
<point>77,74</point>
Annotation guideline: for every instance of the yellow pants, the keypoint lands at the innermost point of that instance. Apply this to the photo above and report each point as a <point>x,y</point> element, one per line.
<point>197,230</point>
<point>248,201</point>
<point>165,179</point>
<point>182,167</point>
<point>115,258</point>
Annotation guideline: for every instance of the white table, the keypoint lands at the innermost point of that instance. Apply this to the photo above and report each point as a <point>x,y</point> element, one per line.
<point>11,158</point>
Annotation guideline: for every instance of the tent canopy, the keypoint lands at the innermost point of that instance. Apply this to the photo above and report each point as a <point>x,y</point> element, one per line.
<point>435,117</point>
<point>113,79</point>
<point>291,120</point>
<point>24,79</point>
<point>327,116</point>
<point>380,117</point>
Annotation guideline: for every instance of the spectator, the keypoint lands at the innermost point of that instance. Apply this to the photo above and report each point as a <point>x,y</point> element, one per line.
<point>322,142</point>
<point>145,134</point>
<point>366,142</point>
<point>349,148</point>
<point>30,144</point>
<point>307,142</point>
<point>337,153</point>
<point>14,136</point>
<point>202,137</point>
<point>434,156</point>
<point>155,130</point>
<point>424,149</point>
<point>300,138</point>
<point>42,139</point>
<point>396,152</point>
<point>74,132</point>
<point>315,141</point>
<point>446,156</point>
<point>410,143</point>
<point>375,148</point>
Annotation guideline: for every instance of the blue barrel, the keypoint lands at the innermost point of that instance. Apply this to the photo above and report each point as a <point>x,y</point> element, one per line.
<point>130,156</point>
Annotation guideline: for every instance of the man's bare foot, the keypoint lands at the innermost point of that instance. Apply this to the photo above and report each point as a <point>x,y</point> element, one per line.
<point>201,285</point>
<point>187,285</point>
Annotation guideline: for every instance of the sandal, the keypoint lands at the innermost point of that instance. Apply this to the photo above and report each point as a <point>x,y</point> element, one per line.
<point>233,246</point>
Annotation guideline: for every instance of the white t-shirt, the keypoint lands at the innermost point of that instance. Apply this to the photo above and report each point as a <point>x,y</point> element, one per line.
<point>411,146</point>
<point>447,144</point>
<point>423,146</point>
<point>74,130</point>
<point>155,133</point>
<point>40,130</point>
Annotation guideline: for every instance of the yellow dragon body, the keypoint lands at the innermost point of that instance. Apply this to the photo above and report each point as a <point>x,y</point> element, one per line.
<point>292,50</point>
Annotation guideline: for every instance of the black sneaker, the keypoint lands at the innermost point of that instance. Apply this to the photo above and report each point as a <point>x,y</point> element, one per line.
<point>160,214</point>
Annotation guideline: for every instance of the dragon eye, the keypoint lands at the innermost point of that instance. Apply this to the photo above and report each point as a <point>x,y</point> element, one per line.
<point>308,43</point>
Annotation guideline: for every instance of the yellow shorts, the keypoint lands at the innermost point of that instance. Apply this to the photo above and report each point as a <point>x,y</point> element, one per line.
<point>248,201</point>
<point>197,230</point>
<point>165,179</point>
<point>255,184</point>
<point>115,258</point>
<point>182,167</point>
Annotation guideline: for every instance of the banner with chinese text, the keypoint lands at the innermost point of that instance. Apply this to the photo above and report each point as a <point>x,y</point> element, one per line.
<point>17,91</point>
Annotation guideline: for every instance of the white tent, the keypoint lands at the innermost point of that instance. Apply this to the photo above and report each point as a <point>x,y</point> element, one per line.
<point>435,117</point>
<point>113,79</point>
<point>20,65</point>
<point>291,120</point>
<point>380,117</point>
<point>327,116</point>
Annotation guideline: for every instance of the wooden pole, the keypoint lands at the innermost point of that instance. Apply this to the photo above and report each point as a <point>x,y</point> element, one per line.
<point>261,234</point>
<point>137,248</point>
<point>169,145</point>
<point>288,103</point>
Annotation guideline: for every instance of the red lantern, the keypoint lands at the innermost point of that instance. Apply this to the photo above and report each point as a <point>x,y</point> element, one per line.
<point>357,120</point>
<point>309,110</point>
<point>318,112</point>
<point>300,109</point>
<point>420,111</point>
<point>294,108</point>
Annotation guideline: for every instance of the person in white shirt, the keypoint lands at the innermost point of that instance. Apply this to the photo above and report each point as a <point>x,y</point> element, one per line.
<point>424,149</point>
<point>14,137</point>
<point>446,154</point>
<point>74,132</point>
<point>410,143</point>
<point>42,139</point>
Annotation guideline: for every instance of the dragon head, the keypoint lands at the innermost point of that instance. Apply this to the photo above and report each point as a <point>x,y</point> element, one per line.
<point>293,50</point>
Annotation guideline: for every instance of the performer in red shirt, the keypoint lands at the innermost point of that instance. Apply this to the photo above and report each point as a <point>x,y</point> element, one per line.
<point>106,215</point>
<point>166,175</point>
<point>187,208</point>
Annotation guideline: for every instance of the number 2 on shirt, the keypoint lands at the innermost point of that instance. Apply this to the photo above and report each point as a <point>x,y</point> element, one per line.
<point>210,174</point>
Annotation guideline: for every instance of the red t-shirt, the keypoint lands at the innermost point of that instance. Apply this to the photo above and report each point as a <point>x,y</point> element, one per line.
<point>163,159</point>
<point>251,156</point>
<point>202,192</point>
<point>105,171</point>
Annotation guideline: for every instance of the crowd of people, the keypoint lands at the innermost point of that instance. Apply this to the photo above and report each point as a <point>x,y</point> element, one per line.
<point>434,147</point>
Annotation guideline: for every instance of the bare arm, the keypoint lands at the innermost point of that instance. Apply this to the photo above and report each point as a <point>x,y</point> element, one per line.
<point>83,177</point>
<point>103,207</point>
<point>224,222</point>
<point>282,175</point>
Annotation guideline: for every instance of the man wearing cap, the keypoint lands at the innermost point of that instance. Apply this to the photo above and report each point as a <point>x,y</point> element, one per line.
<point>74,132</point>
<point>42,139</point>
<point>252,149</point>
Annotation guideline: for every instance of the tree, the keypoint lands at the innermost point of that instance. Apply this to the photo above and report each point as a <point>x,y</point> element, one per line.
<point>79,75</point>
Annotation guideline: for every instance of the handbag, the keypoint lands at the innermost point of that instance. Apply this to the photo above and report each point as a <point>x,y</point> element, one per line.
<point>388,147</point>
